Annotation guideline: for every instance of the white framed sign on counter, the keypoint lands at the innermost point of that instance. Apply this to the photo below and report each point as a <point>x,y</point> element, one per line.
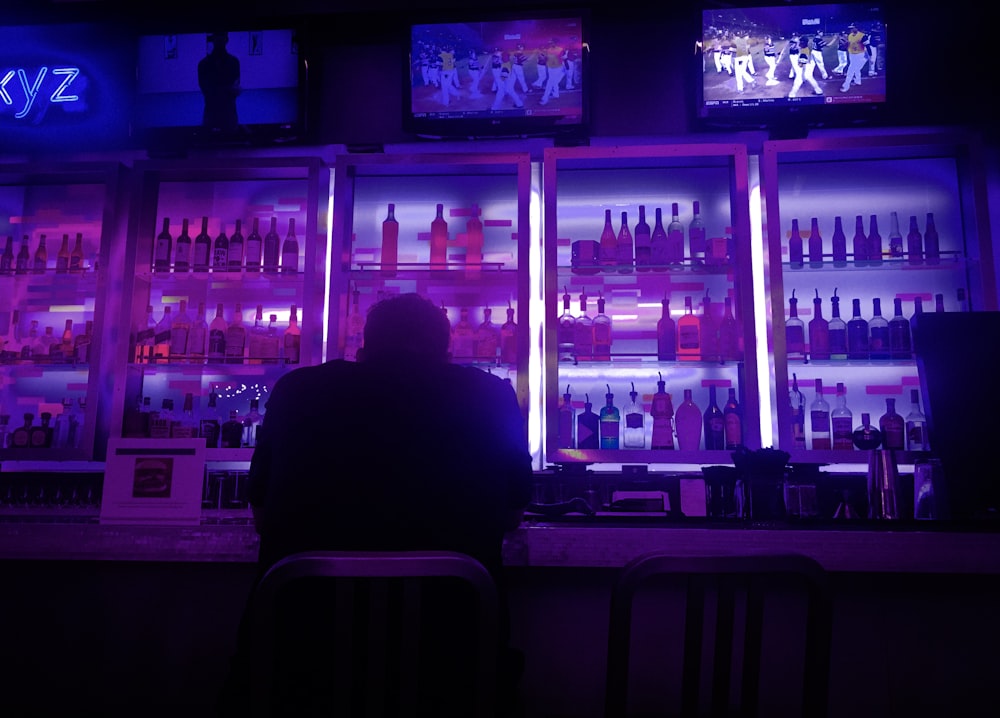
<point>153,481</point>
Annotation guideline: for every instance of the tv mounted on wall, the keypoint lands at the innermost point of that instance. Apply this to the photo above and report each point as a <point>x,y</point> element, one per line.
<point>218,87</point>
<point>830,65</point>
<point>503,76</point>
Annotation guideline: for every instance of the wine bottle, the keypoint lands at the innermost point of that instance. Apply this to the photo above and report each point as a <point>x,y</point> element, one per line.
<point>688,420</point>
<point>839,243</point>
<point>508,338</point>
<point>837,330</point>
<point>583,336</point>
<point>879,346</point>
<point>895,237</point>
<point>675,237</point>
<point>602,333</point>
<point>715,423</point>
<point>815,245</point>
<point>795,331</point>
<point>182,251</point>
<point>220,251</point>
<point>217,336</point>
<point>41,259</point>
<point>624,247</point>
<point>797,414</point>
<point>916,425</point>
<point>567,422</point>
<point>658,243</point>
<point>860,243</point>
<point>234,260</point>
<point>733,417</point>
<point>932,248</point>
<point>914,243</point>
<point>795,247</point>
<point>688,334</point>
<point>709,331</point>
<point>609,244</point>
<point>634,433</point>
<point>842,421</point>
<point>291,339</point>
<point>588,427</point>
<point>729,333</point>
<point>819,420</point>
<point>271,248</point>
<point>253,247</point>
<point>643,242</point>
<point>290,250</point>
<point>162,248</point>
<point>566,339</point>
<point>202,248</point>
<point>874,242</point>
<point>474,243</point>
<point>900,346</point>
<point>819,332</point>
<point>390,242</point>
<point>857,333</point>
<point>439,239</point>
<point>892,426</point>
<point>666,334</point>
<point>662,413</point>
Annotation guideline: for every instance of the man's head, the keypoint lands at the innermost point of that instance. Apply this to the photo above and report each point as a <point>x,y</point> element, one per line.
<point>407,326</point>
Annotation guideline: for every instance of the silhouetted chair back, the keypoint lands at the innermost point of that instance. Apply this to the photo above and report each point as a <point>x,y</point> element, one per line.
<point>727,626</point>
<point>374,634</point>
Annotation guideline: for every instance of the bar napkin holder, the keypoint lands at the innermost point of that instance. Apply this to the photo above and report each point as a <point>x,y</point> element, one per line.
<point>883,485</point>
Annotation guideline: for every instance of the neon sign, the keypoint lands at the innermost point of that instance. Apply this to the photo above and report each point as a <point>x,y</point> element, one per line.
<point>56,90</point>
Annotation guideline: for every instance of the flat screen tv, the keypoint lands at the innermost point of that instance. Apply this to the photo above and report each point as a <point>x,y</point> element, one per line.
<point>506,76</point>
<point>219,87</point>
<point>793,64</point>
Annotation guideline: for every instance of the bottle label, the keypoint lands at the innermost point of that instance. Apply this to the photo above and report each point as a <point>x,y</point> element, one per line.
<point>633,420</point>
<point>734,429</point>
<point>842,433</point>
<point>687,337</point>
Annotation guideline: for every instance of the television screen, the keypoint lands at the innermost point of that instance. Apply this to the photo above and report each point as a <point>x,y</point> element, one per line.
<point>761,65</point>
<point>499,77</point>
<point>219,87</point>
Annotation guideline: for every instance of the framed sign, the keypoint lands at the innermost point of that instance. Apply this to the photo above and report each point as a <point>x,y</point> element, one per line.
<point>153,481</point>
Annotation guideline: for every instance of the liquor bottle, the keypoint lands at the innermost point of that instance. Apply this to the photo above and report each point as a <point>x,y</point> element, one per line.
<point>354,336</point>
<point>583,335</point>
<point>83,342</point>
<point>662,412</point>
<point>634,433</point>
<point>729,333</point>
<point>256,337</point>
<point>270,349</point>
<point>271,248</point>
<point>688,334</point>
<point>182,251</point>
<point>842,421</point>
<point>643,242</point>
<point>180,331</point>
<point>508,338</point>
<point>688,420</point>
<point>20,438</point>
<point>290,250</point>
<point>795,331</point>
<point>10,346</point>
<point>439,239</point>
<point>610,422</point>
<point>602,333</point>
<point>963,302</point>
<point>567,330</point>
<point>914,243</point>
<point>860,243</point>
<point>186,426</point>
<point>918,309</point>
<point>4,431</point>
<point>209,423</point>
<point>675,237</point>
<point>198,336</point>
<point>916,425</point>
<point>7,258</point>
<point>709,331</point>
<point>49,346</point>
<point>874,242</point>
<point>797,414</point>
<point>819,332</point>
<point>879,346</point>
<point>220,251</point>
<point>567,422</point>
<point>732,415</point>
<point>474,242</point>
<point>23,258</point>
<point>857,333</point>
<point>696,236</point>
<point>60,429</point>
<point>463,337</point>
<point>41,435</point>
<point>40,261</point>
<point>202,248</point>
<point>144,336</point>
<point>866,436</point>
<point>715,423</point>
<point>390,242</point>
<point>291,339</point>
<point>588,427</point>
<point>234,260</point>
<point>161,339</point>
<point>487,339</point>
<point>76,255</point>
<point>162,422</point>
<point>892,426</point>
<point>624,247</point>
<point>236,337</point>
<point>666,333</point>
<point>819,420</point>
<point>932,248</point>
<point>815,245</point>
<point>658,243</point>
<point>253,247</point>
<point>231,431</point>
<point>939,303</point>
<point>900,346</point>
<point>795,246</point>
<point>66,345</point>
<point>251,423</point>
<point>217,336</point>
<point>839,243</point>
<point>609,244</point>
<point>895,237</point>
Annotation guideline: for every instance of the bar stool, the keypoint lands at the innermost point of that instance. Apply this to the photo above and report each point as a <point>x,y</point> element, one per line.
<point>347,634</point>
<point>736,615</point>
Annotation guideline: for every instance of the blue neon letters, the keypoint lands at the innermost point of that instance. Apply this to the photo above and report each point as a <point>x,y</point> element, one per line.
<point>62,78</point>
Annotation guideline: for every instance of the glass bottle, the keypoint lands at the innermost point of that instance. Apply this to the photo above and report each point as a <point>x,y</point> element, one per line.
<point>819,332</point>
<point>209,423</point>
<point>567,422</point>
<point>709,331</point>
<point>220,251</point>
<point>198,336</point>
<point>624,247</point>
<point>41,435</point>
<point>795,331</point>
<point>390,242</point>
<point>161,423</point>
<point>857,333</point>
<point>161,341</point>
<point>271,342</point>
<point>878,333</point>
<point>715,423</point>
<point>860,243</point>
<point>643,242</point>
<point>291,338</point>
<point>797,414</point>
<point>839,243</point>
<point>231,431</point>
<point>474,243</point>
<point>508,338</point>
<point>588,434</point>
<point>439,239</point>
<point>819,420</point>
<point>732,415</point>
<point>914,243</point>
<point>874,242</point>
<point>675,237</point>
<point>916,425</point>
<point>610,422</point>
<point>688,420</point>
<point>20,438</point>
<point>162,248</point>
<point>290,250</point>
<point>634,433</point>
<point>566,339</point>
<point>4,431</point>
<point>487,341</point>
<point>666,334</point>
<point>23,258</point>
<point>918,309</point>
<point>271,248</point>
<point>932,248</point>
<point>939,303</point>
<point>76,254</point>
<point>696,236</point>
<point>892,426</point>
<point>795,247</point>
<point>234,259</point>
<point>7,258</point>
<point>202,248</point>
<point>842,421</point>
<point>256,336</point>
<point>583,336</point>
<point>688,334</point>
<point>895,237</point>
<point>182,250</point>
<point>609,244</point>
<point>217,336</point>
<point>251,423</point>
<point>144,336</point>
<point>658,243</point>
<point>662,412</point>
<point>180,330</point>
<point>602,333</point>
<point>463,337</point>
<point>729,333</point>
<point>253,247</point>
<point>867,437</point>
<point>82,343</point>
<point>899,332</point>
<point>186,426</point>
<point>41,259</point>
<point>815,245</point>
<point>355,330</point>
<point>236,337</point>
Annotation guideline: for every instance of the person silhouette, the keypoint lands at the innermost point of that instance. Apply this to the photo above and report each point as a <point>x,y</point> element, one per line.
<point>219,82</point>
